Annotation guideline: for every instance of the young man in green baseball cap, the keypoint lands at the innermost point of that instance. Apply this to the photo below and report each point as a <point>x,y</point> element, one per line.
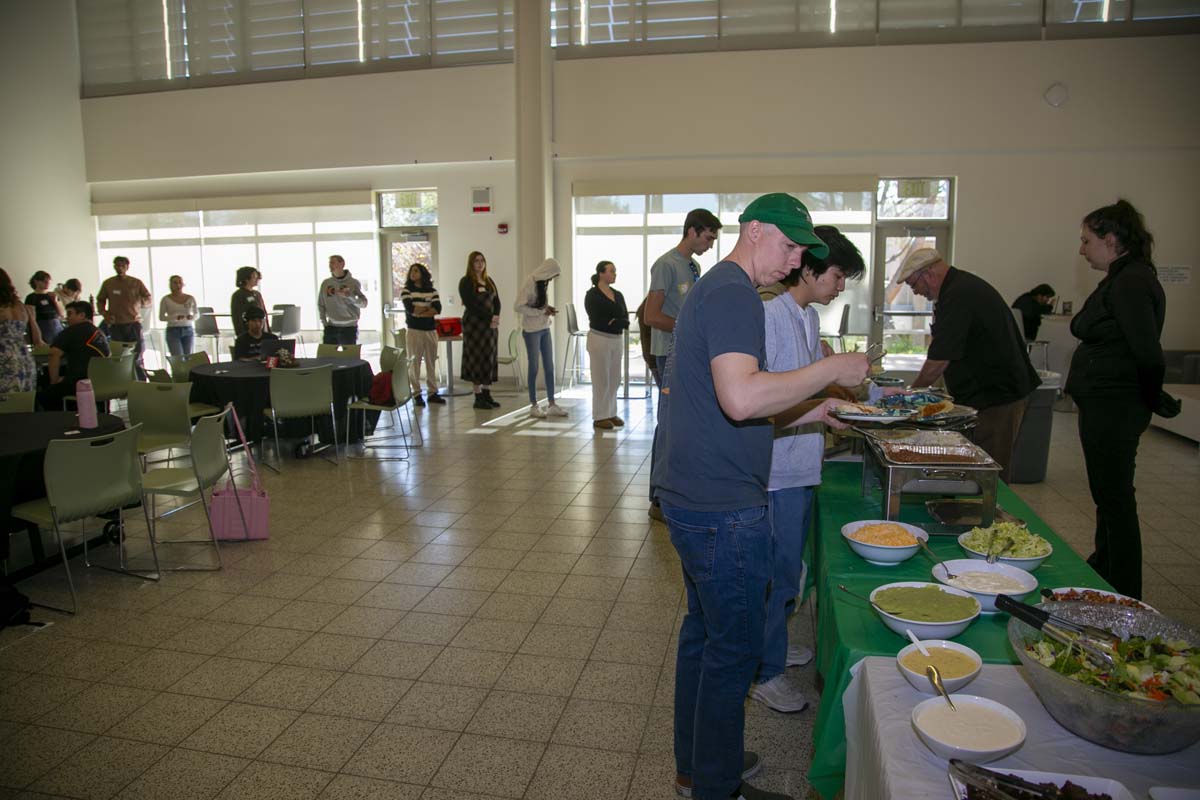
<point>717,454</point>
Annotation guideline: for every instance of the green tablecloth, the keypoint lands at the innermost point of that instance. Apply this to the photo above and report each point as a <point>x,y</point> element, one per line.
<point>848,630</point>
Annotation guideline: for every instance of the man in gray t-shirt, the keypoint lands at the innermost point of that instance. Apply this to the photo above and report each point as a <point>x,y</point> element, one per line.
<point>672,275</point>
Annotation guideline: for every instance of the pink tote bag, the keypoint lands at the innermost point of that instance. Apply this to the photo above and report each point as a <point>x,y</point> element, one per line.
<point>230,504</point>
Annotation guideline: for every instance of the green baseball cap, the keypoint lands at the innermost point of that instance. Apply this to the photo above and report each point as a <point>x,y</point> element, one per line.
<point>790,216</point>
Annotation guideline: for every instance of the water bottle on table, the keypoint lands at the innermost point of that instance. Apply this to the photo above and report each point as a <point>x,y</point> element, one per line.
<point>85,400</point>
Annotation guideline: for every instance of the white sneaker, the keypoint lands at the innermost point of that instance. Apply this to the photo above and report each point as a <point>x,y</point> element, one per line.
<point>798,655</point>
<point>780,695</point>
<point>554,411</point>
<point>536,411</point>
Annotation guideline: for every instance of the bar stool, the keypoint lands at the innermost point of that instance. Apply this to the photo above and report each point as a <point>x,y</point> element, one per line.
<point>573,361</point>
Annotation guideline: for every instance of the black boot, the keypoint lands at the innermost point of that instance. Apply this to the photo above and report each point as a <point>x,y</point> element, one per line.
<point>418,400</point>
<point>481,402</point>
<point>487,395</point>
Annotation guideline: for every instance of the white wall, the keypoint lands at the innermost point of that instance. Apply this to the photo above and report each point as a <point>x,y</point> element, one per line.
<point>45,219</point>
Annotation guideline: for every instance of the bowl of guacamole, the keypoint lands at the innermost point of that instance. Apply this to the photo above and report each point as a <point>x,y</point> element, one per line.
<point>929,610</point>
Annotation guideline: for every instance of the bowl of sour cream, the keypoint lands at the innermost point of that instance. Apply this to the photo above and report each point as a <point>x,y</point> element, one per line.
<point>980,730</point>
<point>984,581</point>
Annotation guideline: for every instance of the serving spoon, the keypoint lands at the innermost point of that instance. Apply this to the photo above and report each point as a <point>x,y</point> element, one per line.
<point>913,637</point>
<point>950,575</point>
<point>994,555</point>
<point>935,678</point>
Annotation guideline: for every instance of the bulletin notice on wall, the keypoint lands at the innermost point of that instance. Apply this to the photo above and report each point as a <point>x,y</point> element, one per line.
<point>1175,275</point>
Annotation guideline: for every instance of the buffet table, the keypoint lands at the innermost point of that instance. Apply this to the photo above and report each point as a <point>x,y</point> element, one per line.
<point>848,630</point>
<point>885,759</point>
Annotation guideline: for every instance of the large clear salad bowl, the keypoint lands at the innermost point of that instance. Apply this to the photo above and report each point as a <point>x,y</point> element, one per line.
<point>1125,723</point>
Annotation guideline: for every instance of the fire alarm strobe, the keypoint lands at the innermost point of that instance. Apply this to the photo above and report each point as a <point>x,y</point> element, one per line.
<point>502,227</point>
<point>481,199</point>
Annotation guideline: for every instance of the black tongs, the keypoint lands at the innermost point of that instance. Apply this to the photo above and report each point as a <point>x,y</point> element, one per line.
<point>1096,648</point>
<point>997,784</point>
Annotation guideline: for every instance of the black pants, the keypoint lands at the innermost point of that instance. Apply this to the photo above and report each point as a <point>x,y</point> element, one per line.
<point>341,334</point>
<point>130,332</point>
<point>1109,430</point>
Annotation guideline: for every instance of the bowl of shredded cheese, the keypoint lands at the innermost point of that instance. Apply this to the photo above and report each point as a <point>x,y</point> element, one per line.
<point>883,542</point>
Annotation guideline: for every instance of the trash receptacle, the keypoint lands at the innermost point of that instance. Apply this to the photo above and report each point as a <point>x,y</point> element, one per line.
<point>1031,453</point>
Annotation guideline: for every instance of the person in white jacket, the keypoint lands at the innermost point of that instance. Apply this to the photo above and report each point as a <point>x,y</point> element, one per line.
<point>536,315</point>
<point>340,302</point>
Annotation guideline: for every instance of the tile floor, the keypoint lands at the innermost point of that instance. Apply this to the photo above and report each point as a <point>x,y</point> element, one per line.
<point>492,619</point>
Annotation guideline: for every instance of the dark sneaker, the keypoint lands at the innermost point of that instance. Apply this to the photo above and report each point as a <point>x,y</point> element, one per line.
<point>748,792</point>
<point>655,512</point>
<point>437,399</point>
<point>751,764</point>
<point>481,402</point>
<point>418,400</point>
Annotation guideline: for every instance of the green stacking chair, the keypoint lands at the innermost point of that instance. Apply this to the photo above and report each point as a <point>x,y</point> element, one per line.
<point>210,463</point>
<point>181,371</point>
<point>85,478</point>
<point>339,350</point>
<point>514,353</point>
<point>15,402</point>
<point>117,349</point>
<point>401,397</point>
<point>388,356</point>
<point>162,411</point>
<point>110,378</point>
<point>300,392</point>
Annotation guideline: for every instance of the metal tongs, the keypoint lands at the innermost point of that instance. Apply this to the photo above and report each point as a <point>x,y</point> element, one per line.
<point>997,785</point>
<point>875,353</point>
<point>1096,644</point>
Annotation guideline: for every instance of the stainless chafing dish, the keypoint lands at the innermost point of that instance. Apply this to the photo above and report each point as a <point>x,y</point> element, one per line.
<point>927,462</point>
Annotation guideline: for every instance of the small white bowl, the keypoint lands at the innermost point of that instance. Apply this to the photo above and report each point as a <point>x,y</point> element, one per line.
<point>1027,564</point>
<point>950,749</point>
<point>884,555</point>
<point>920,681</point>
<point>987,600</point>
<point>924,630</point>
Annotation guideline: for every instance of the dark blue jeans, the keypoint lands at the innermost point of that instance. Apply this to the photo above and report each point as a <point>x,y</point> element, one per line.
<point>791,513</point>
<point>726,559</point>
<point>130,332</point>
<point>340,334</point>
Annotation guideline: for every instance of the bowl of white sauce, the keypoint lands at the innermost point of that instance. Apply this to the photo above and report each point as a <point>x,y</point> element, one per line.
<point>980,730</point>
<point>984,581</point>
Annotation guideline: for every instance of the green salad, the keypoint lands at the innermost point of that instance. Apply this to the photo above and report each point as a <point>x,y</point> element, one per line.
<point>1024,543</point>
<point>1150,669</point>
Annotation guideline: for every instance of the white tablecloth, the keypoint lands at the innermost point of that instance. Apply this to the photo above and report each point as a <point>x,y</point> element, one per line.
<point>885,759</point>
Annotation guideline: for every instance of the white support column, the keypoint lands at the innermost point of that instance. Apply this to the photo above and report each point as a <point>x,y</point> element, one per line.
<point>534,61</point>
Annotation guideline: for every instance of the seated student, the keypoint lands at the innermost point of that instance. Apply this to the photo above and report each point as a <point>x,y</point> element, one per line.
<point>79,343</point>
<point>248,346</point>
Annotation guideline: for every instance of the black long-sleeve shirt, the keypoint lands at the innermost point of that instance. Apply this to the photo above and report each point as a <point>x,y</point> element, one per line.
<point>1031,313</point>
<point>479,301</point>
<point>1119,328</point>
<point>604,315</point>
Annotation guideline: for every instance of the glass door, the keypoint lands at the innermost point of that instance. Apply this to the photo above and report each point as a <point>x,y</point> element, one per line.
<point>402,249</point>
<point>902,319</point>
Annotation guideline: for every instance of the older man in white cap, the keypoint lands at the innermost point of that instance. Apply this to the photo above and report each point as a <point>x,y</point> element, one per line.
<point>977,347</point>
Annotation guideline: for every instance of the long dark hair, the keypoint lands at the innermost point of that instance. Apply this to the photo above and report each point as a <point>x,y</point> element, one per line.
<point>539,290</point>
<point>1127,226</point>
<point>603,265</point>
<point>8,292</point>
<point>426,283</point>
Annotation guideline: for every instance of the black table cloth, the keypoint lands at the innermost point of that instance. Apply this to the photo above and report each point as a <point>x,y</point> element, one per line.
<point>247,384</point>
<point>24,437</point>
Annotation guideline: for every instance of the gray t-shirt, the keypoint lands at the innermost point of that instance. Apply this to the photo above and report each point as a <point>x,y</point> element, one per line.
<point>712,462</point>
<point>673,274</point>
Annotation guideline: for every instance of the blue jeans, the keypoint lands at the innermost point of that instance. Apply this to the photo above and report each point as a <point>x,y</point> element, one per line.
<point>179,340</point>
<point>726,559</point>
<point>340,334</point>
<point>791,513</point>
<point>539,342</point>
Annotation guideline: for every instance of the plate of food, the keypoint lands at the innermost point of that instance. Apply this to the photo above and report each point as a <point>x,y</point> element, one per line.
<point>1082,594</point>
<point>1075,787</point>
<point>862,412</point>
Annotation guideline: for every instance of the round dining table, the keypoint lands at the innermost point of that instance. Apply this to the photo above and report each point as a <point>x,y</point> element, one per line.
<point>24,437</point>
<point>247,384</point>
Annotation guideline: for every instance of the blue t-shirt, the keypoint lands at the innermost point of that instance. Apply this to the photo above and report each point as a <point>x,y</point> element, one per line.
<point>712,462</point>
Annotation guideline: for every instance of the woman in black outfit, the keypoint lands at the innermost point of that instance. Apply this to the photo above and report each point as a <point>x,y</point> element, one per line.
<point>1115,379</point>
<point>45,305</point>
<point>607,320</point>
<point>481,321</point>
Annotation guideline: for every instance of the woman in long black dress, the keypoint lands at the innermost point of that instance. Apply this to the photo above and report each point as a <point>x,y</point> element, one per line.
<point>481,323</point>
<point>1116,378</point>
